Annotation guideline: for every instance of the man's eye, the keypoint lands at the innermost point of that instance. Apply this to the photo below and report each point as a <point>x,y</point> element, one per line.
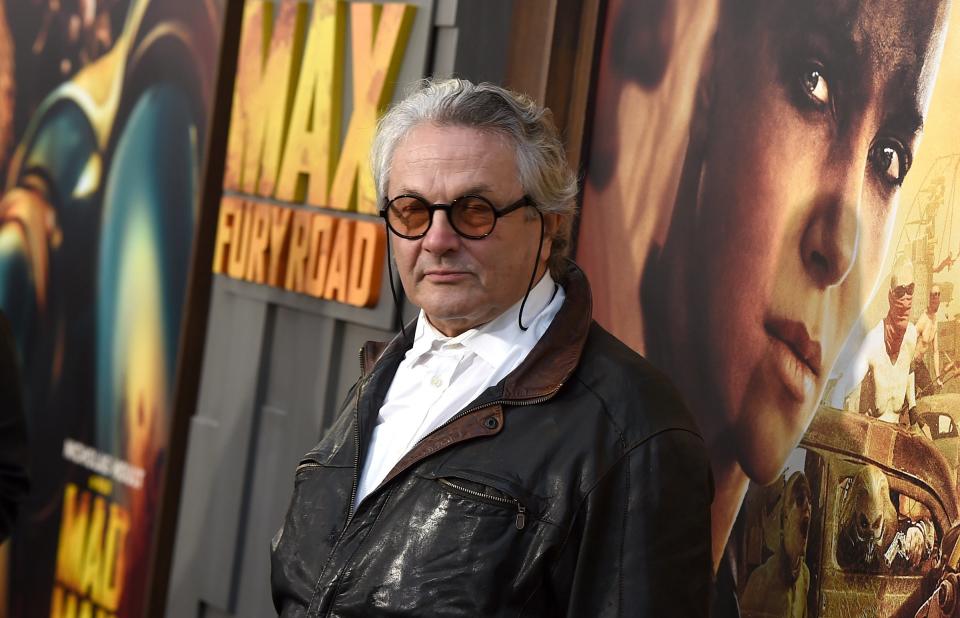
<point>891,161</point>
<point>816,85</point>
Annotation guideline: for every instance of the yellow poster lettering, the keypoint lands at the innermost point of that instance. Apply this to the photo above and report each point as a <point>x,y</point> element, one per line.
<point>379,36</point>
<point>312,143</point>
<point>337,275</point>
<point>63,604</point>
<point>269,60</point>
<point>93,558</point>
<point>228,231</point>
<point>86,609</point>
<point>73,536</point>
<point>299,249</point>
<point>321,239</point>
<point>279,233</point>
<point>240,247</point>
<point>90,555</point>
<point>100,484</point>
<point>110,583</point>
<point>366,264</point>
<point>259,243</point>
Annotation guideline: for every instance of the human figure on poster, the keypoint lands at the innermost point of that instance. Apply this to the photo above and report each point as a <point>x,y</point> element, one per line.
<point>927,355</point>
<point>882,367</point>
<point>874,536</point>
<point>807,117</point>
<point>778,588</point>
<point>868,521</point>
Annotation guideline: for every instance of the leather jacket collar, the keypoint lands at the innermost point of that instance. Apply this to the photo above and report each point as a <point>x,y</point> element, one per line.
<point>551,361</point>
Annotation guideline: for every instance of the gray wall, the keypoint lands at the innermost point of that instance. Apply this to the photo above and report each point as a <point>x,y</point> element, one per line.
<point>276,364</point>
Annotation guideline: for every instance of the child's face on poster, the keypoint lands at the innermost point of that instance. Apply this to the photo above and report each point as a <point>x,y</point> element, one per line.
<point>814,113</point>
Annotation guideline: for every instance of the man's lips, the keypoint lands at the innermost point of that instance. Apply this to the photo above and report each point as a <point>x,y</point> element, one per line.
<point>795,336</point>
<point>444,274</point>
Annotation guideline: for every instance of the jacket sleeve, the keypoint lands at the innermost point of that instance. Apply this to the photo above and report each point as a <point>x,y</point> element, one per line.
<point>14,481</point>
<point>645,548</point>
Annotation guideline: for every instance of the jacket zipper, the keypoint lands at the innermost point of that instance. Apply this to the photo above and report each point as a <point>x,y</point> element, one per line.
<point>356,457</point>
<point>521,510</point>
<point>356,444</point>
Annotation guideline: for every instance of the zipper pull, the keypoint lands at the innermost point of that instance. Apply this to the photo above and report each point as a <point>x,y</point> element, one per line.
<point>521,516</point>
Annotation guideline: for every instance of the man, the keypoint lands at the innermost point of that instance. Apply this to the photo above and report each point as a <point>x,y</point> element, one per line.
<point>927,355</point>
<point>512,458</point>
<point>882,366</point>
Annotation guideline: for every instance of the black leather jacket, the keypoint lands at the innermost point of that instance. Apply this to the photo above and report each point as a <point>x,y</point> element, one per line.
<point>577,486</point>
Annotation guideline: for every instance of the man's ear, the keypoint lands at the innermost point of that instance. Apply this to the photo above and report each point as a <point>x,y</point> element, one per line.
<point>643,39</point>
<point>551,223</point>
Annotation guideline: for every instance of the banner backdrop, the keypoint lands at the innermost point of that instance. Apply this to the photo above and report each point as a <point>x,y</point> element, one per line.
<point>103,113</point>
<point>768,216</point>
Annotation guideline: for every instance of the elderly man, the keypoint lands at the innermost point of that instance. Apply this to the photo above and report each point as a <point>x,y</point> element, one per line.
<point>504,456</point>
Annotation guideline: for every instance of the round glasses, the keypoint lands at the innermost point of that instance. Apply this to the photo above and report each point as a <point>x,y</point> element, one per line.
<point>470,216</point>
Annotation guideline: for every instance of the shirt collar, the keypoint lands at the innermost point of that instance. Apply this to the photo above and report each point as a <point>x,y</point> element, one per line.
<point>492,341</point>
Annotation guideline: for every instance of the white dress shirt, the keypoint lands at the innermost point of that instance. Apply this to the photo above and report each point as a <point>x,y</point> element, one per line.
<point>439,376</point>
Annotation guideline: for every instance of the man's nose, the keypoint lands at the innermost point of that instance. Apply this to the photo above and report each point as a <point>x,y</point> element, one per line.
<point>830,238</point>
<point>441,237</point>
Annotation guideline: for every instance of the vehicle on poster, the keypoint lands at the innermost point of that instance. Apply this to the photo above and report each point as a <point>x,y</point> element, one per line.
<point>881,510</point>
<point>941,413</point>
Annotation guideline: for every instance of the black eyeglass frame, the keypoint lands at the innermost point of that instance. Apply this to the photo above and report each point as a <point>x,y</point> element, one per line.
<point>448,208</point>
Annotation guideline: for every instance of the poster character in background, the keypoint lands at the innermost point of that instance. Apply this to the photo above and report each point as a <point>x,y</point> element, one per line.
<point>882,369</point>
<point>778,587</point>
<point>868,521</point>
<point>806,122</point>
<point>881,531</point>
<point>96,225</point>
<point>926,361</point>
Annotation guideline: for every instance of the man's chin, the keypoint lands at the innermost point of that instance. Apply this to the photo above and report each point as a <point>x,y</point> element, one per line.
<point>448,320</point>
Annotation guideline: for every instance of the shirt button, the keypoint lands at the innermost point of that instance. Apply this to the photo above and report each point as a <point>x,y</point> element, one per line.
<point>435,381</point>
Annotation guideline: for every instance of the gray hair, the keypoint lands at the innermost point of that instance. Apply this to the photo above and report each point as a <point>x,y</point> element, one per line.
<point>541,160</point>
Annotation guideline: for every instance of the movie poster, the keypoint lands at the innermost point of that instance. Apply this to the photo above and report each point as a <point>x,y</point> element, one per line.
<point>779,180</point>
<point>103,117</point>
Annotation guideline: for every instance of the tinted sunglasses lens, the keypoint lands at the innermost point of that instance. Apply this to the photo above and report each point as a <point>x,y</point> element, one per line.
<point>902,290</point>
<point>473,216</point>
<point>408,216</point>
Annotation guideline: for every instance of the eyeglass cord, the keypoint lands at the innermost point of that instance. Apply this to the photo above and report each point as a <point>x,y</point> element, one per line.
<point>533,275</point>
<point>393,292</point>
